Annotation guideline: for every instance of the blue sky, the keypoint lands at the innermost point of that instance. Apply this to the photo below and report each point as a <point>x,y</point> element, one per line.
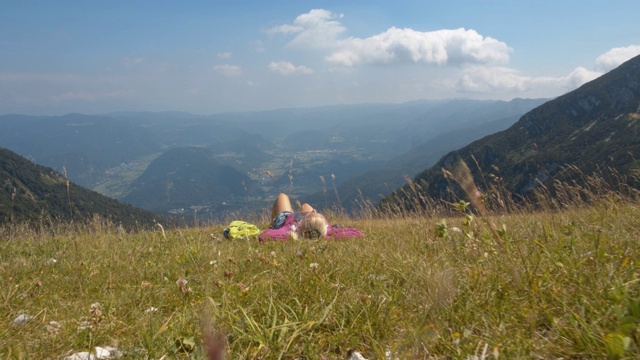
<point>208,57</point>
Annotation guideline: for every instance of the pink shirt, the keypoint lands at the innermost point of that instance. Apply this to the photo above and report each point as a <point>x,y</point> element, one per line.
<point>291,224</point>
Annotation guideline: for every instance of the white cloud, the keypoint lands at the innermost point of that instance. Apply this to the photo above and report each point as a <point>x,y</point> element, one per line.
<point>616,56</point>
<point>578,77</point>
<point>287,68</point>
<point>228,70</point>
<point>321,29</point>
<point>440,47</point>
<point>224,55</point>
<point>481,79</point>
<point>497,79</point>
<point>316,29</point>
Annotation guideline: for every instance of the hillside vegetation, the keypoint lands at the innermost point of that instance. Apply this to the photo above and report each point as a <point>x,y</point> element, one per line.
<point>183,177</point>
<point>40,196</point>
<point>559,283</point>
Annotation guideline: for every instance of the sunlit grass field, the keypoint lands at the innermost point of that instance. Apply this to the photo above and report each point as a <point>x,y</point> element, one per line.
<point>554,284</point>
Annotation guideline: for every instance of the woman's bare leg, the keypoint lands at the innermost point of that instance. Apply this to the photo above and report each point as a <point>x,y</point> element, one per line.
<point>281,204</point>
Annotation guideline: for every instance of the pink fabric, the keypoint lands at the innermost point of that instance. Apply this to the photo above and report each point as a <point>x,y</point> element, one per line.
<point>282,234</point>
<point>275,234</point>
<point>337,233</point>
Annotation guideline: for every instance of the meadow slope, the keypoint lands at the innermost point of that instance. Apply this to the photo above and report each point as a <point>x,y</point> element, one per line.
<point>559,284</point>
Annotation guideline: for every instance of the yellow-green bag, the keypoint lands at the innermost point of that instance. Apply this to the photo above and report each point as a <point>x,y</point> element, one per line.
<point>241,230</point>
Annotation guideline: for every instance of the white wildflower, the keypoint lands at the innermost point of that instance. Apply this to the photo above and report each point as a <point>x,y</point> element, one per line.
<point>85,324</point>
<point>96,309</point>
<point>388,355</point>
<point>151,310</point>
<point>182,285</point>
<point>53,327</point>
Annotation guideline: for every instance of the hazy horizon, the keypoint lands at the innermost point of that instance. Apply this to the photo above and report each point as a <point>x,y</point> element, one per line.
<point>209,58</point>
<point>290,108</point>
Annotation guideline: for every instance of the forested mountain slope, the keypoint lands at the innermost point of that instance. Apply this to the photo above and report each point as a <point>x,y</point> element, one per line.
<point>39,195</point>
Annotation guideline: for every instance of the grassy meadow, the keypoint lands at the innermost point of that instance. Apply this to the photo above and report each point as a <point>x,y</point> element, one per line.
<point>556,283</point>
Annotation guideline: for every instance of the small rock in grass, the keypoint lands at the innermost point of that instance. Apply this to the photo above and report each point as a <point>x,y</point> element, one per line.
<point>377,277</point>
<point>21,319</point>
<point>108,352</point>
<point>356,356</point>
<point>81,356</point>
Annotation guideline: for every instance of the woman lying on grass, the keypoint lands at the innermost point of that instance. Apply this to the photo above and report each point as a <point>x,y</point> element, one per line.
<point>307,223</point>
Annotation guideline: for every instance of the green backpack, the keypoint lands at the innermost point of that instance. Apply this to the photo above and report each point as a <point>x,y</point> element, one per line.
<point>241,230</point>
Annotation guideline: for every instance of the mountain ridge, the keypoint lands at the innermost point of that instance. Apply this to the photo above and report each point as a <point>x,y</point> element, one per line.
<point>593,127</point>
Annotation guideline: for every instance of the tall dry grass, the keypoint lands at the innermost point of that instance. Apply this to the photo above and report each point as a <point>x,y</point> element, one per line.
<point>560,282</point>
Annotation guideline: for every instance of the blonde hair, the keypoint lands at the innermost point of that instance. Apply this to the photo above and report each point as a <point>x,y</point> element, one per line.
<point>313,225</point>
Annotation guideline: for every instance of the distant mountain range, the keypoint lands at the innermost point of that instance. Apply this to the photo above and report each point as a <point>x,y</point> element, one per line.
<point>595,128</point>
<point>289,150</point>
<point>39,195</point>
